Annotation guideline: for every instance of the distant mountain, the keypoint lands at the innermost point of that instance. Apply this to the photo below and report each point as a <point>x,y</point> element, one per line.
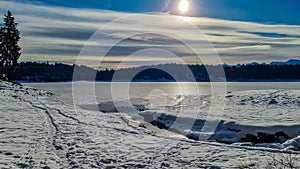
<point>289,62</point>
<point>253,64</point>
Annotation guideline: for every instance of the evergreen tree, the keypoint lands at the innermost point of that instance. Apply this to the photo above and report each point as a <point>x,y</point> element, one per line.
<point>1,52</point>
<point>9,48</point>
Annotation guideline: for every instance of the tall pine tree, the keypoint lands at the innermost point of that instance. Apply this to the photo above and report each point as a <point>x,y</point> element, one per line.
<point>9,48</point>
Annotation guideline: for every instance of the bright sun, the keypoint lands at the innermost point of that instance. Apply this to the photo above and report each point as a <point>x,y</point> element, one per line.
<point>183,6</point>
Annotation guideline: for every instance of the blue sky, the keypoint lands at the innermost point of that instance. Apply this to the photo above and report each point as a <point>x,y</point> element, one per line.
<point>241,31</point>
<point>263,11</point>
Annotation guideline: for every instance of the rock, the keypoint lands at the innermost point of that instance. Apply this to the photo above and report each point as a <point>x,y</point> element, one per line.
<point>281,137</point>
<point>250,138</point>
<point>266,138</point>
<point>278,137</point>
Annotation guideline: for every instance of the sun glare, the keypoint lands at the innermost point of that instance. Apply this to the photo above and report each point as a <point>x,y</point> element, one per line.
<point>183,6</point>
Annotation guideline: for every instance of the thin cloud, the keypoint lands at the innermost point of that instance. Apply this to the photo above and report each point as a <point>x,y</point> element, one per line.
<point>58,34</point>
<point>243,48</point>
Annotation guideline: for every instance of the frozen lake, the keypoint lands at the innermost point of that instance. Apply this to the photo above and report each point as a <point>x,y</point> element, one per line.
<point>144,89</point>
<point>252,103</point>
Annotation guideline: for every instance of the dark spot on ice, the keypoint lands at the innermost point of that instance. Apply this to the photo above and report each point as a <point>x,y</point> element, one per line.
<point>141,109</point>
<point>142,126</point>
<point>229,96</point>
<point>193,136</point>
<point>69,154</point>
<point>23,165</point>
<point>235,130</point>
<point>243,102</point>
<point>93,166</point>
<point>58,147</point>
<point>159,124</point>
<point>273,101</point>
<point>214,167</point>
<point>71,144</point>
<point>46,167</point>
<point>8,153</point>
<point>132,165</point>
<point>164,164</point>
<point>73,163</point>
<point>79,151</point>
<point>108,161</point>
<point>17,156</point>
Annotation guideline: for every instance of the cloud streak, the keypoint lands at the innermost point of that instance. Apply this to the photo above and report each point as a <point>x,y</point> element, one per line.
<point>58,34</point>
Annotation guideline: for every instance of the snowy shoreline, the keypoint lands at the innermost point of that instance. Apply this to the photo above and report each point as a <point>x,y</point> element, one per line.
<point>38,130</point>
<point>278,137</point>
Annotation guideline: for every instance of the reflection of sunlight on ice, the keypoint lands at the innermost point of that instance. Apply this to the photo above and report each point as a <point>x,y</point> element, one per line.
<point>157,99</point>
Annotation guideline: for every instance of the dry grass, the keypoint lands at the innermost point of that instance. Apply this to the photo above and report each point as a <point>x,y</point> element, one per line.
<point>273,161</point>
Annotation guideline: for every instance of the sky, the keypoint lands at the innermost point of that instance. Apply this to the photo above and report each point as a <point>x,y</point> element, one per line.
<point>240,31</point>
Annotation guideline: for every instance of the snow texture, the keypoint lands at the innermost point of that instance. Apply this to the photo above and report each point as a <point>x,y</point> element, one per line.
<point>39,130</point>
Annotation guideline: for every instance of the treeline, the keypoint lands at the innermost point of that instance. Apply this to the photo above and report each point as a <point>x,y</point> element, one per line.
<point>263,72</point>
<point>41,72</point>
<point>205,73</point>
<point>58,72</point>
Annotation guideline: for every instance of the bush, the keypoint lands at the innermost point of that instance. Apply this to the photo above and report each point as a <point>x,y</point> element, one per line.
<point>273,161</point>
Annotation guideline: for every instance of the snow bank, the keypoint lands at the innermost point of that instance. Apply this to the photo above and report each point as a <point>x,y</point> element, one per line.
<point>292,144</point>
<point>283,137</point>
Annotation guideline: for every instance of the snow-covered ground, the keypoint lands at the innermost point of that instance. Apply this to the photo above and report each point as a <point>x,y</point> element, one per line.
<point>272,116</point>
<point>40,130</point>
